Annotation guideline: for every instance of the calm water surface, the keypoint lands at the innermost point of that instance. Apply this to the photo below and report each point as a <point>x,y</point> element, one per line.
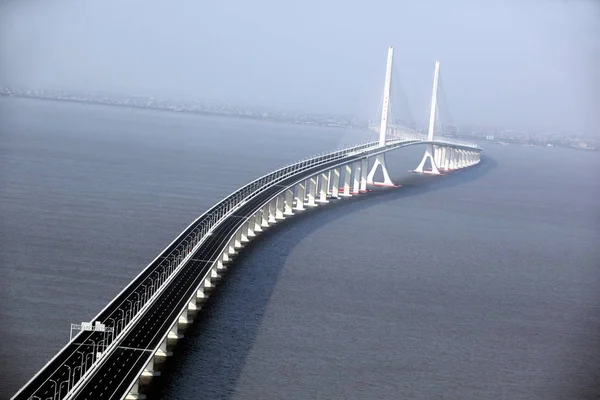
<point>482,284</point>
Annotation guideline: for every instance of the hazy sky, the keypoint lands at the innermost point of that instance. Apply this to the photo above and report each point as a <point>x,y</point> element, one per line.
<point>507,62</point>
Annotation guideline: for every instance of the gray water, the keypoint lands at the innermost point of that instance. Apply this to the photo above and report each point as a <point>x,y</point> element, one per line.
<point>481,284</point>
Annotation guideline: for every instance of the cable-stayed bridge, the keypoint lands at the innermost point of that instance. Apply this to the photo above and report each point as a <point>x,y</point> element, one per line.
<point>115,354</point>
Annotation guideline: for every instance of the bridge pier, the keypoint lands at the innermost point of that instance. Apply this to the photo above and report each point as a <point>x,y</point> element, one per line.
<point>264,212</point>
<point>289,201</point>
<point>134,392</point>
<point>379,161</point>
<point>272,207</point>
<point>347,176</point>
<point>356,166</point>
<point>454,161</point>
<point>257,221</point>
<point>280,203</point>
<point>428,156</point>
<point>312,192</point>
<point>363,175</point>
<point>461,159</point>
<point>300,195</point>
<point>244,232</point>
<point>323,187</point>
<point>335,187</point>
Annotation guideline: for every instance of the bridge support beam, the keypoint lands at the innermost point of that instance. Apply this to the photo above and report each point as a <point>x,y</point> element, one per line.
<point>289,202</point>
<point>363,174</point>
<point>258,221</point>
<point>429,156</point>
<point>250,232</point>
<point>453,159</point>
<point>323,187</point>
<point>356,177</point>
<point>264,212</point>
<point>379,162</point>
<point>134,392</point>
<point>347,176</point>
<point>272,208</point>
<point>238,239</point>
<point>335,187</point>
<point>300,195</point>
<point>312,192</point>
<point>280,202</point>
<point>244,232</point>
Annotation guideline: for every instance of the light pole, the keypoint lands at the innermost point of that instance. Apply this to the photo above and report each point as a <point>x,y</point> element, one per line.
<point>93,351</point>
<point>145,295</point>
<point>80,374</point>
<point>131,305</point>
<point>60,388</point>
<point>122,319</point>
<point>138,298</point>
<point>68,379</point>
<point>153,286</point>
<point>114,325</point>
<point>55,387</point>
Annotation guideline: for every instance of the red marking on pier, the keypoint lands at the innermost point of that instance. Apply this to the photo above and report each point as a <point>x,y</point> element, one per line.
<point>384,185</point>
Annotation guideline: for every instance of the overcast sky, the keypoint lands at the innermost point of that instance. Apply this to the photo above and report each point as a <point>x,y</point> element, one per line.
<point>503,62</point>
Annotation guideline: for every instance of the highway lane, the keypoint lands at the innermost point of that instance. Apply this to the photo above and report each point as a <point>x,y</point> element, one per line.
<point>121,367</point>
<point>77,356</point>
<point>69,360</point>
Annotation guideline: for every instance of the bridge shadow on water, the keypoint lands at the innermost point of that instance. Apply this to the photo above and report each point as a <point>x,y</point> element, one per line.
<point>209,360</point>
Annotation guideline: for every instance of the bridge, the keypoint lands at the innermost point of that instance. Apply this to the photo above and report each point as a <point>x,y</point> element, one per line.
<point>121,349</point>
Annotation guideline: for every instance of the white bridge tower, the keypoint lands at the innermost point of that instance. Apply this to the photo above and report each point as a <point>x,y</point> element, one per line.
<point>429,150</point>
<point>380,159</point>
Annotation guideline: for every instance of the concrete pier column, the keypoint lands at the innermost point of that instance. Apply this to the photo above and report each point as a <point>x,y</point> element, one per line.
<point>258,221</point>
<point>183,318</point>
<point>200,294</point>
<point>335,187</point>
<point>364,167</point>
<point>444,160</point>
<point>238,239</point>
<point>272,211</point>
<point>174,333</point>
<point>436,154</point>
<point>250,230</point>
<point>347,176</point>
<point>264,211</point>
<point>323,187</point>
<point>244,232</point>
<point>300,195</point>
<point>289,201</point>
<point>280,205</point>
<point>312,191</point>
<point>454,159</point>
<point>356,176</point>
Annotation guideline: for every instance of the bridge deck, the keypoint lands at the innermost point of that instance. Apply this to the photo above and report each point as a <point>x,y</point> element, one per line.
<point>120,366</point>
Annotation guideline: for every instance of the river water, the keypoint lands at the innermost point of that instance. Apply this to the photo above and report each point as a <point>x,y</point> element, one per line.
<point>480,284</point>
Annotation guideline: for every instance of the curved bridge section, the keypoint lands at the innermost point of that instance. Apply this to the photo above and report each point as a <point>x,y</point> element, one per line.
<point>119,350</point>
<point>136,330</point>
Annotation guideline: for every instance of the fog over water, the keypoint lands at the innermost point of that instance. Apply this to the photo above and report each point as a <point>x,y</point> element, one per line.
<point>480,284</point>
<point>504,62</point>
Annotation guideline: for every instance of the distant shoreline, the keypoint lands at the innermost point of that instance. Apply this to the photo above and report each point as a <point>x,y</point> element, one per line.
<point>199,112</point>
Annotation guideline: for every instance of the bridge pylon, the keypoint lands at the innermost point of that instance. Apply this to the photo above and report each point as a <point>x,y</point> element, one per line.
<point>429,150</point>
<point>380,159</point>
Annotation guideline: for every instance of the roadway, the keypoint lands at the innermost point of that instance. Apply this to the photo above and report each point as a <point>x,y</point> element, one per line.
<point>122,366</point>
<point>79,354</point>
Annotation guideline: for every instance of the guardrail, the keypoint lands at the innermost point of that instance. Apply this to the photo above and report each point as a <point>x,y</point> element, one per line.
<point>198,230</point>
